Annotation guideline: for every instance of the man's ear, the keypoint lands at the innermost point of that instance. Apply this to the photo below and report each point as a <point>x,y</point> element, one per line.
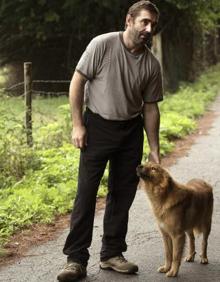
<point>129,20</point>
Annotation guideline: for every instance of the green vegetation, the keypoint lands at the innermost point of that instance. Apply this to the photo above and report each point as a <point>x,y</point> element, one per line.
<point>3,76</point>
<point>38,183</point>
<point>204,13</point>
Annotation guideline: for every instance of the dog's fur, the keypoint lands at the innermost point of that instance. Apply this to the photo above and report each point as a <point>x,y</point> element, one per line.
<point>179,209</point>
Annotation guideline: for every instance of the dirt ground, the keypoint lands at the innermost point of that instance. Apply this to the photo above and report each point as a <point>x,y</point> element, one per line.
<point>40,233</point>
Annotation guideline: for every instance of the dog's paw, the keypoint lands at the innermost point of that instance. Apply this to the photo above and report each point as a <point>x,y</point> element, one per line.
<point>190,258</point>
<point>163,269</point>
<point>204,260</point>
<point>171,273</point>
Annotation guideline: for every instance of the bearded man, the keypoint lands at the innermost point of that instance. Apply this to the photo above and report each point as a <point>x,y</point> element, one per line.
<point>120,81</point>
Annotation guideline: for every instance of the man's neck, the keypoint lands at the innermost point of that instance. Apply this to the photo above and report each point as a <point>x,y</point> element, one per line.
<point>130,45</point>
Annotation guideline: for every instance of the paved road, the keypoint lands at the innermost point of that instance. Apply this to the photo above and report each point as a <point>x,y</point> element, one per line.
<point>144,242</point>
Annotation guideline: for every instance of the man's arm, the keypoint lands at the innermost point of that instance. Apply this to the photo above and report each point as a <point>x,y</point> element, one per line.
<point>76,98</point>
<point>151,125</point>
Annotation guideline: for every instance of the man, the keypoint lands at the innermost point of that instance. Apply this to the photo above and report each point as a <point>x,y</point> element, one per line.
<point>122,83</point>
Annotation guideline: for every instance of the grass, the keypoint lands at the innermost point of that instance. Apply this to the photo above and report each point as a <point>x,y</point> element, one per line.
<point>43,110</point>
<point>47,110</point>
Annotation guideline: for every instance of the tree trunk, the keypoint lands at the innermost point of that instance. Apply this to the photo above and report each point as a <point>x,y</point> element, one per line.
<point>157,48</point>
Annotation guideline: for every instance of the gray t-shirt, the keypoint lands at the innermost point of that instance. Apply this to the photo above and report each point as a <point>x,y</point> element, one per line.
<point>119,82</point>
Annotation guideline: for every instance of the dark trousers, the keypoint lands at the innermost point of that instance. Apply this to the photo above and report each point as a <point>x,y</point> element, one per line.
<point>120,143</point>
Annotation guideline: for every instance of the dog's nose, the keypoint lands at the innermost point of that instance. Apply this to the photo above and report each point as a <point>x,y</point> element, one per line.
<point>140,166</point>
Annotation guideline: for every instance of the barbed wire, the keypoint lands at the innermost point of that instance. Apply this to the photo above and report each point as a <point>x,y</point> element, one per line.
<point>51,81</point>
<point>12,87</point>
<point>39,92</point>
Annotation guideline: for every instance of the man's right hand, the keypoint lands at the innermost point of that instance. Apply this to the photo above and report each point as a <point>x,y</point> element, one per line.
<point>154,157</point>
<point>79,137</point>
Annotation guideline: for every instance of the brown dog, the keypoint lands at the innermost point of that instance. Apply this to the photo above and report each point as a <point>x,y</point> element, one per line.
<point>179,209</point>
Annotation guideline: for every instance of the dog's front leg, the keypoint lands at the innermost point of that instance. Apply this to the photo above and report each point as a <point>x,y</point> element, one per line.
<point>178,245</point>
<point>168,248</point>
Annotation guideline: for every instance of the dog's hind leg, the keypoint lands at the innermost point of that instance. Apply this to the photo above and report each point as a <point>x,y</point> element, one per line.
<point>191,255</point>
<point>178,245</point>
<point>168,248</point>
<point>205,233</point>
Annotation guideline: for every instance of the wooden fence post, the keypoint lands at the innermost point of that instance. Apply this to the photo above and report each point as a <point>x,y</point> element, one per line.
<point>28,101</point>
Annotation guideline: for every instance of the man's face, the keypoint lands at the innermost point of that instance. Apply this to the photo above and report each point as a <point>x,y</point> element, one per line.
<point>142,27</point>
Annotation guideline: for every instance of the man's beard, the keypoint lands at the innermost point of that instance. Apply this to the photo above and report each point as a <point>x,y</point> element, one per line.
<point>145,36</point>
<point>141,38</point>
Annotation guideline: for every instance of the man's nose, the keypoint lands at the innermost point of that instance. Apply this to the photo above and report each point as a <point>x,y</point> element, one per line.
<point>148,28</point>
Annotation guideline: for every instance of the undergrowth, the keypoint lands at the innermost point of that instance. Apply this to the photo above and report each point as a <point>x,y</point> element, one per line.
<point>40,182</point>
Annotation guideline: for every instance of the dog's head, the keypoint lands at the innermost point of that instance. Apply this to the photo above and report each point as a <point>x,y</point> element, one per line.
<point>155,177</point>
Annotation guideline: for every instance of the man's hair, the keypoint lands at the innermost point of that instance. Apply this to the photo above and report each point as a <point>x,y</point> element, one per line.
<point>135,9</point>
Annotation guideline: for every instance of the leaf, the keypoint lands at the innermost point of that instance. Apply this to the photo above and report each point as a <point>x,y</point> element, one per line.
<point>51,16</point>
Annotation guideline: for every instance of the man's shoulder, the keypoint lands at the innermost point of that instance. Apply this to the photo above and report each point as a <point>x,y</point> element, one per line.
<point>106,37</point>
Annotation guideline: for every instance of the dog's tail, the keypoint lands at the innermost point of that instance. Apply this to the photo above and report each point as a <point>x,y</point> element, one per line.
<point>203,227</point>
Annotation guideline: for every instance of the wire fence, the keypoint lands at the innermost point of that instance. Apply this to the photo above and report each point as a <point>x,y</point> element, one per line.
<point>28,88</point>
<point>18,88</point>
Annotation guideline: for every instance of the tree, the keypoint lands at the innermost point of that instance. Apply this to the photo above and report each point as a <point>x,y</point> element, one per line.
<point>189,36</point>
<point>53,34</point>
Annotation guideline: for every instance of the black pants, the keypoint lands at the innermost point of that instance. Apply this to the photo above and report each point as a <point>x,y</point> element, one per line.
<point>120,142</point>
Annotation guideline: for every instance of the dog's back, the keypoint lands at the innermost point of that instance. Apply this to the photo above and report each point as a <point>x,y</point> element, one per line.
<point>199,213</point>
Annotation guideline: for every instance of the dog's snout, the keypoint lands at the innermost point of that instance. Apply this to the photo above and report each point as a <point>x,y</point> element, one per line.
<point>140,170</point>
<point>140,167</point>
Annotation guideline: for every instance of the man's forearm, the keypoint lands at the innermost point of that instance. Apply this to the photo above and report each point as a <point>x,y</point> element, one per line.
<point>151,125</point>
<point>76,98</point>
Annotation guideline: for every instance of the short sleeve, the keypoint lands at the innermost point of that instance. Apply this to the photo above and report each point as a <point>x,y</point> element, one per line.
<point>153,91</point>
<point>90,59</point>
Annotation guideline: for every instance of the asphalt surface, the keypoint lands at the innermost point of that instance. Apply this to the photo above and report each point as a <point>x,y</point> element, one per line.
<point>145,246</point>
